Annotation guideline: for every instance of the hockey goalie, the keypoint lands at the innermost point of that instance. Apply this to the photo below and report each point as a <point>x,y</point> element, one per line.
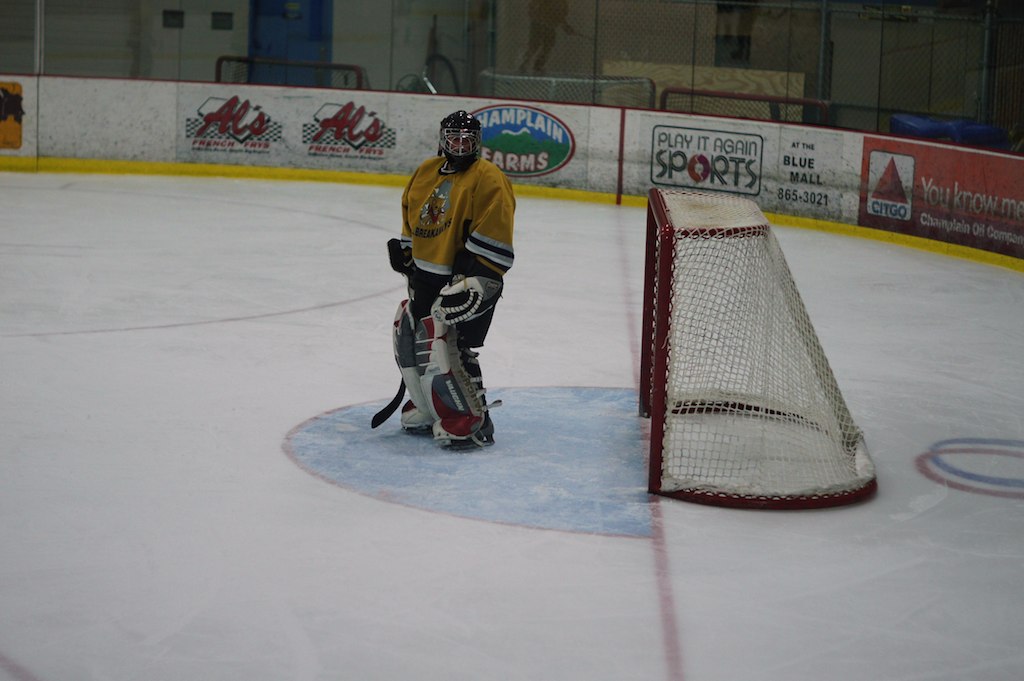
<point>454,250</point>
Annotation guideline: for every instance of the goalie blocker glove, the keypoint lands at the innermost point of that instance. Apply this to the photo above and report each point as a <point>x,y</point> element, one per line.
<point>466,298</point>
<point>401,257</point>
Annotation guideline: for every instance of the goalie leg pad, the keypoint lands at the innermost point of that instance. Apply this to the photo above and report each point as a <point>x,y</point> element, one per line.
<point>457,418</point>
<point>408,337</point>
<point>443,380</point>
<point>452,379</point>
<point>463,419</point>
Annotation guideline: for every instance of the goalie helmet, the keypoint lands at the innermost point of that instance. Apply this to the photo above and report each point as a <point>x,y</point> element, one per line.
<point>459,139</point>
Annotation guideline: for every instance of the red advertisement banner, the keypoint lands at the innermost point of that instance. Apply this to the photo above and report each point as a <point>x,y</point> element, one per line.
<point>958,196</point>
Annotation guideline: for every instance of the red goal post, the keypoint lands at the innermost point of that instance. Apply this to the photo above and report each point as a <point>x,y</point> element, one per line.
<point>745,410</point>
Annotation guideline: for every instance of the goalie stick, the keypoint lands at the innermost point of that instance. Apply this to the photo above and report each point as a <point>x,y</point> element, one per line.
<point>392,406</point>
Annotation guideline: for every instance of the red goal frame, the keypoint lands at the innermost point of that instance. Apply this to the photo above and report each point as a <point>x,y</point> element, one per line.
<point>654,358</point>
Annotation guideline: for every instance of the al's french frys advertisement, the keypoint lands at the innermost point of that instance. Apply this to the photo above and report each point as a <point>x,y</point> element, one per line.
<point>960,196</point>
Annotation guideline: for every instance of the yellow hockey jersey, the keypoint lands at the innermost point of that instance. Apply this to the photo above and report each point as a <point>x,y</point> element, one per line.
<point>471,210</point>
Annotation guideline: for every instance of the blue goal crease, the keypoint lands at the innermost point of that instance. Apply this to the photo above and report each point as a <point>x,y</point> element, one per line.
<point>591,478</point>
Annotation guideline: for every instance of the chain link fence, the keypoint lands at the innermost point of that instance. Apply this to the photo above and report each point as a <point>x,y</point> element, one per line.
<point>860,62</point>
<point>864,61</point>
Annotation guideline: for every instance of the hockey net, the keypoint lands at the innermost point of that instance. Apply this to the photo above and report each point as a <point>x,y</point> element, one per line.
<point>268,71</point>
<point>743,105</point>
<point>745,410</point>
<point>626,91</point>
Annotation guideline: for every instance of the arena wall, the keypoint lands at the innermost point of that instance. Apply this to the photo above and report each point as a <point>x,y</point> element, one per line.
<point>964,201</point>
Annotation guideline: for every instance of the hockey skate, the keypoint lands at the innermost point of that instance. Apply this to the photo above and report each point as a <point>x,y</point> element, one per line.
<point>416,421</point>
<point>483,436</point>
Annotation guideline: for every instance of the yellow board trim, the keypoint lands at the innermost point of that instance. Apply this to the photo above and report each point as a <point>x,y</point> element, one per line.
<point>86,166</point>
<point>106,167</point>
<point>920,243</point>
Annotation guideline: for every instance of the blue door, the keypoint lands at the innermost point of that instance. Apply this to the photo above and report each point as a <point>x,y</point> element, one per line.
<point>297,30</point>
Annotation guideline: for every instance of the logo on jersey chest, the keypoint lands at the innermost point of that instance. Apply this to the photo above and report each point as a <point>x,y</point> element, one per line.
<point>434,218</point>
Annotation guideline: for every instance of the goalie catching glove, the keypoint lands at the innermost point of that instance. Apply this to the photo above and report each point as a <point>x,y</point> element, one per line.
<point>466,298</point>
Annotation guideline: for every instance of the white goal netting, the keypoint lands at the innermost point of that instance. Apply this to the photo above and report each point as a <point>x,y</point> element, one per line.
<point>744,405</point>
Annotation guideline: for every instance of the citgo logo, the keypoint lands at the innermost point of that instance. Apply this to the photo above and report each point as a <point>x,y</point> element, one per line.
<point>891,178</point>
<point>524,141</point>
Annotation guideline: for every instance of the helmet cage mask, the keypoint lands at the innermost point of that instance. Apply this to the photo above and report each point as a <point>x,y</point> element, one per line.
<point>459,139</point>
<point>460,142</point>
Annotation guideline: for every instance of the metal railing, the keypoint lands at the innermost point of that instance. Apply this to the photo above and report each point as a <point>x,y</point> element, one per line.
<point>744,105</point>
<point>266,71</point>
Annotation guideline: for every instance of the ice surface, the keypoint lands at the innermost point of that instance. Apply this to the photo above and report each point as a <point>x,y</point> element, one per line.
<point>161,337</point>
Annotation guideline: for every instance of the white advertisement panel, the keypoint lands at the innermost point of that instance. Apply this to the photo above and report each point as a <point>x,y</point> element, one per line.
<point>555,145</point>
<point>372,132</point>
<point>813,173</point>
<point>343,130</point>
<point>923,189</point>
<point>99,118</point>
<point>798,170</point>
